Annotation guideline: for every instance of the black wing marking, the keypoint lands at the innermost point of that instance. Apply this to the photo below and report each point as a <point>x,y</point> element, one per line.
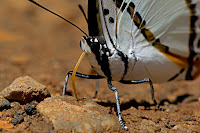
<point>94,23</point>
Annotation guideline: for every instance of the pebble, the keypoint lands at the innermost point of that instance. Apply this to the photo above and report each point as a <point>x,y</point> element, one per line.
<point>4,103</point>
<point>19,112</point>
<point>17,119</point>
<point>40,119</point>
<point>68,115</point>
<point>15,105</point>
<point>24,90</point>
<point>178,127</point>
<point>9,113</point>
<point>31,109</point>
<point>14,121</point>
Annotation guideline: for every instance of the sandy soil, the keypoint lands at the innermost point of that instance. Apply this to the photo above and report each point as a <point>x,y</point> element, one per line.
<point>36,43</point>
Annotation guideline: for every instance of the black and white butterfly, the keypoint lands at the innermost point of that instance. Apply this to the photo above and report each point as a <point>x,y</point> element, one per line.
<point>137,41</point>
<point>133,41</point>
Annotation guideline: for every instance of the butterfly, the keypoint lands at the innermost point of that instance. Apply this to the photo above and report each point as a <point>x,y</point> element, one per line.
<point>137,41</point>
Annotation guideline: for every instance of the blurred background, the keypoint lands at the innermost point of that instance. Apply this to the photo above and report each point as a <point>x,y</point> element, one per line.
<point>36,43</point>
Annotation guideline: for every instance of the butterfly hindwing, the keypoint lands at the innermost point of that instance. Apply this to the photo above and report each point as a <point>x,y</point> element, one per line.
<point>161,34</point>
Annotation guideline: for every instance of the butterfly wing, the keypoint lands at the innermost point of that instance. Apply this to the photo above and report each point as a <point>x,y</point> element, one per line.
<point>94,23</point>
<point>161,34</point>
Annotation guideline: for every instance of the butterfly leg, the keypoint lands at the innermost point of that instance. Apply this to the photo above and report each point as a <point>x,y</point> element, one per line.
<point>151,88</point>
<point>81,76</point>
<point>117,104</point>
<point>97,89</point>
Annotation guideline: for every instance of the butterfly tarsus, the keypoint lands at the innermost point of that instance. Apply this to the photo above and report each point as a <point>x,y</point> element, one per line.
<point>81,76</point>
<point>151,88</point>
<point>117,104</point>
<point>152,95</point>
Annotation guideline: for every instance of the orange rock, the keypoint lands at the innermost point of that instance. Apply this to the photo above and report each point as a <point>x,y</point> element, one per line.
<point>6,125</point>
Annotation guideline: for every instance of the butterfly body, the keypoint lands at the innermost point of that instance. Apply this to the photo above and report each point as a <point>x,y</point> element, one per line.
<point>113,64</point>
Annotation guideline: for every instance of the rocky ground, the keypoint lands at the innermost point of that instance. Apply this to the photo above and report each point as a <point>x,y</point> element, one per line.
<point>41,48</point>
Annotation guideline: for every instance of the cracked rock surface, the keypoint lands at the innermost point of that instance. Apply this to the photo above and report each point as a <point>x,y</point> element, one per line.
<point>66,114</point>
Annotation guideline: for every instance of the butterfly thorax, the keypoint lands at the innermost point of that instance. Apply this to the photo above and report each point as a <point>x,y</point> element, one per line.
<point>107,60</point>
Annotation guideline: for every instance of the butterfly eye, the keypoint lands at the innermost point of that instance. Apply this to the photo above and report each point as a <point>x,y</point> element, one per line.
<point>91,44</point>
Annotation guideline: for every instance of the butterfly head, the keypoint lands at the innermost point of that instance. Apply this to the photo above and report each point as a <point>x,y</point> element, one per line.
<point>89,44</point>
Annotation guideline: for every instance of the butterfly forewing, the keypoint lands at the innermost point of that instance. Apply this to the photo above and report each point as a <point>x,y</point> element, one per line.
<point>108,20</point>
<point>94,23</point>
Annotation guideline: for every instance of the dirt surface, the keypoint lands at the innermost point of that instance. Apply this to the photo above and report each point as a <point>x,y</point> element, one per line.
<point>34,42</point>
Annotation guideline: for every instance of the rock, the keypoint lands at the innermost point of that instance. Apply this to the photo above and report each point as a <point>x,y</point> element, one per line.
<point>15,105</point>
<point>30,109</point>
<point>4,103</point>
<point>19,112</point>
<point>67,115</point>
<point>17,120</point>
<point>24,90</point>
<point>14,121</point>
<point>40,119</point>
<point>9,113</point>
<point>180,127</point>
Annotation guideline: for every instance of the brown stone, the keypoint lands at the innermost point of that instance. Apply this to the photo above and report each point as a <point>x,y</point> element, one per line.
<point>24,90</point>
<point>66,114</point>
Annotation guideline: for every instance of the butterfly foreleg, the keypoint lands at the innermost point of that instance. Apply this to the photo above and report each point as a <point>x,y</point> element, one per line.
<point>151,88</point>
<point>81,76</point>
<point>117,104</point>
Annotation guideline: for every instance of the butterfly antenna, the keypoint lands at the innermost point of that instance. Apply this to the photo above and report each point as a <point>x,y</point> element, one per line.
<point>81,8</point>
<point>57,16</point>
